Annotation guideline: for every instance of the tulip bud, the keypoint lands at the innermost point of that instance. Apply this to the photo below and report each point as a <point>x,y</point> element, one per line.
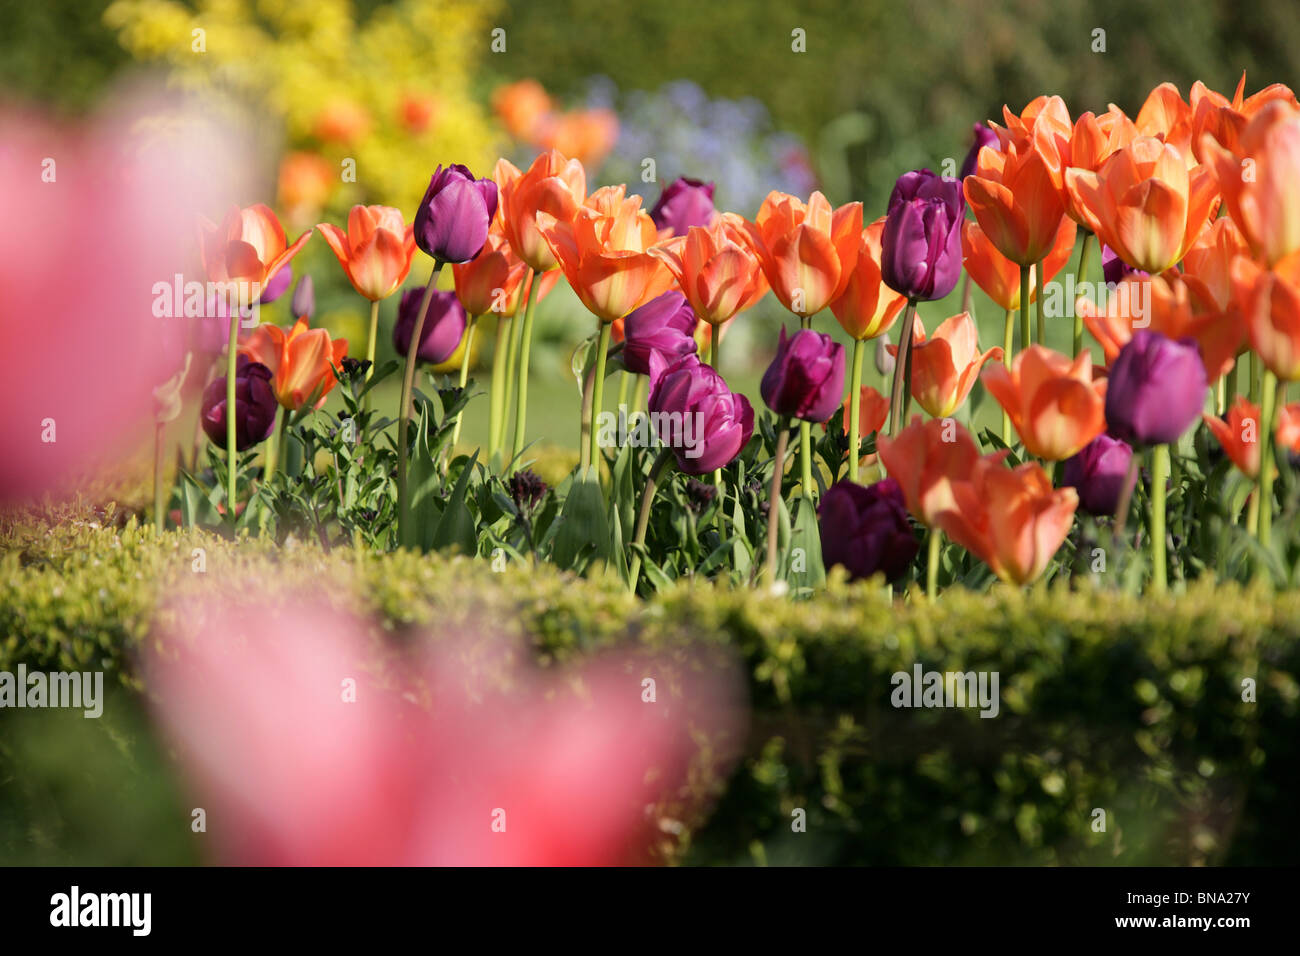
<point>444,325</point>
<point>885,360</point>
<point>866,529</point>
<point>303,303</point>
<point>452,222</point>
<point>1155,389</point>
<point>921,243</point>
<point>1098,474</point>
<point>255,406</point>
<point>806,379</point>
<point>699,417</point>
<point>983,137</point>
<point>658,333</point>
<point>276,286</point>
<point>684,203</point>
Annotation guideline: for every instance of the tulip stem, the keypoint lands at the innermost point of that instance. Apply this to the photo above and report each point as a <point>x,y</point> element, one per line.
<point>1159,478</point>
<point>932,564</point>
<point>855,408</point>
<point>232,456</point>
<point>496,397</point>
<point>643,515</point>
<point>624,382</point>
<point>1230,390</point>
<point>1267,413</point>
<point>1038,296</point>
<point>598,389</point>
<point>276,451</point>
<point>774,496</point>
<point>370,344</point>
<point>584,419</point>
<point>639,393</point>
<point>159,503</point>
<point>1024,308</point>
<point>1080,277</point>
<point>404,411</point>
<point>464,376</point>
<point>902,371</point>
<point>521,386</point>
<point>1008,340</point>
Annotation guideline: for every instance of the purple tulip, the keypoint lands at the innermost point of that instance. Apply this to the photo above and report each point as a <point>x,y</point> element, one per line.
<point>1114,269</point>
<point>303,302</point>
<point>1156,389</point>
<point>684,203</point>
<point>255,406</point>
<point>921,243</point>
<point>658,333</point>
<point>1098,474</point>
<point>277,286</point>
<point>983,137</point>
<point>452,222</point>
<point>444,325</point>
<point>866,529</point>
<point>806,379</point>
<point>704,422</point>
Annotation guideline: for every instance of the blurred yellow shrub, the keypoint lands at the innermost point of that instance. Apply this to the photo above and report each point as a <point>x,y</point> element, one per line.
<point>393,93</point>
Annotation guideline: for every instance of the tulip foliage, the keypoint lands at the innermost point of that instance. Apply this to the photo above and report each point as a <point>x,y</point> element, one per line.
<point>1159,449</point>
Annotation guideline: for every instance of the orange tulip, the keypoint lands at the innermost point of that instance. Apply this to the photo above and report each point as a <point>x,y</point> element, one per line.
<point>604,252</point>
<point>1288,427</point>
<point>522,107</point>
<point>807,251</point>
<point>1044,126</point>
<point>1165,116</point>
<point>586,135</point>
<point>554,187</point>
<point>302,363</point>
<point>1239,435</point>
<point>867,307</point>
<point>1225,121</point>
<point>305,183</point>
<point>998,276</point>
<point>945,367</point>
<point>715,268</point>
<point>1016,199</point>
<point>1094,140</point>
<point>493,281</point>
<point>873,411</point>
<point>1012,519</point>
<point>1259,181</point>
<point>925,459</point>
<point>1173,306</point>
<point>249,246</point>
<point>1053,402</point>
<point>1270,304</point>
<point>1145,204</point>
<point>342,121</point>
<point>375,252</point>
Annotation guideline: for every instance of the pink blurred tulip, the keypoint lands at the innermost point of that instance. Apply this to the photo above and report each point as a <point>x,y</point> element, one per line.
<point>555,770</point>
<point>95,217</point>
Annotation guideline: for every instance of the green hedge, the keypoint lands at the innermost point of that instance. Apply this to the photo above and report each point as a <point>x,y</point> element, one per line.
<point>1132,705</point>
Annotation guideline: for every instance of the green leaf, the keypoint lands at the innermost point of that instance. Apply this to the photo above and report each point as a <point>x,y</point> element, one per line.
<point>582,524</point>
<point>456,526</point>
<point>805,565</point>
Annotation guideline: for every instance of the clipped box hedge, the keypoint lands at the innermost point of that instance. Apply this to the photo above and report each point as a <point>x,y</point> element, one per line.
<point>1131,705</point>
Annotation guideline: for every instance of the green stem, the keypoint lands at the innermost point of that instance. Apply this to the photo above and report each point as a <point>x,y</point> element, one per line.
<point>277,450</point>
<point>370,343</point>
<point>598,387</point>
<point>1159,478</point>
<point>521,386</point>
<point>232,456</point>
<point>774,496</point>
<point>464,375</point>
<point>1267,413</point>
<point>404,410</point>
<point>1038,284</point>
<point>902,371</point>
<point>496,397</point>
<point>1008,340</point>
<point>624,383</point>
<point>584,420</point>
<point>639,392</point>
<point>643,515</point>
<point>1024,308</point>
<point>159,499</point>
<point>1254,378</point>
<point>932,565</point>
<point>855,408</point>
<point>1231,391</point>
<point>805,460</point>
<point>1080,277</point>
